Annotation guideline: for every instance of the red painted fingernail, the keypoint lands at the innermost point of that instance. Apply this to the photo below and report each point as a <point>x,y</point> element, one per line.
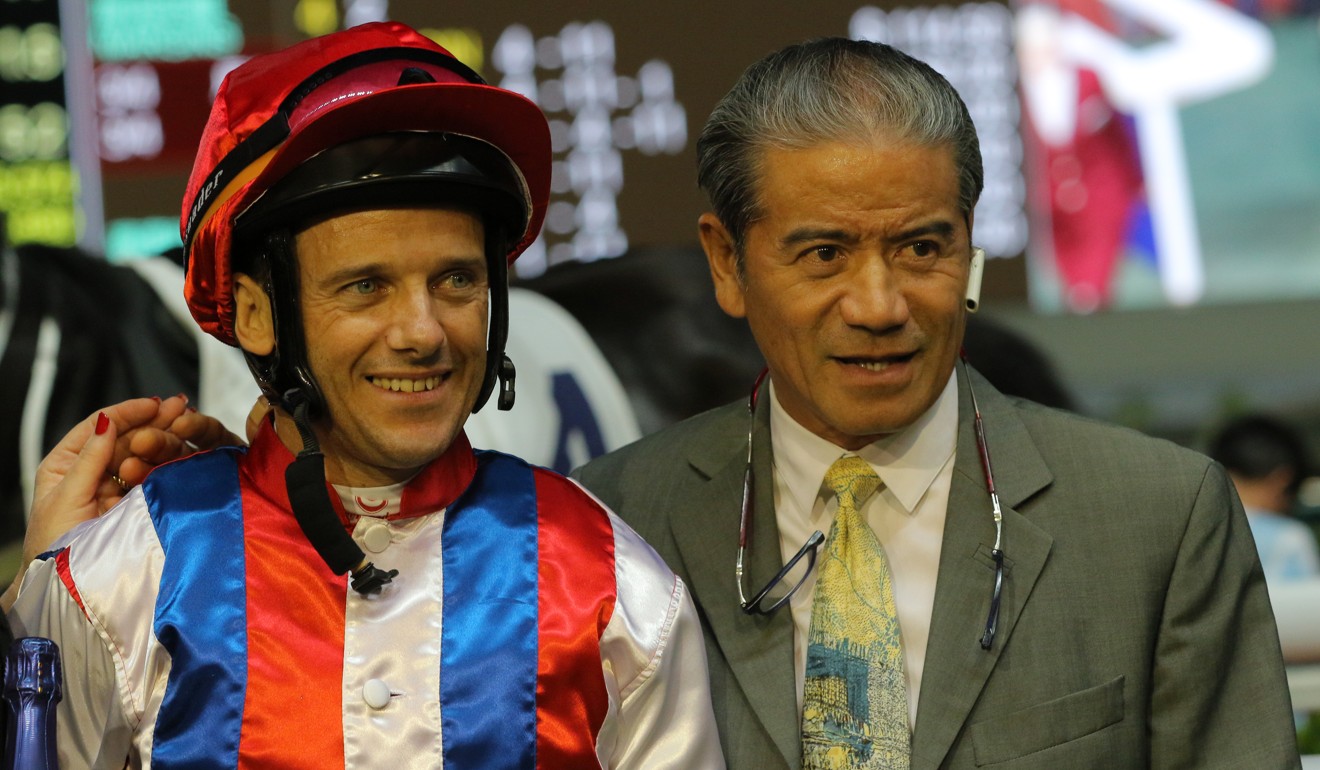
<point>183,396</point>
<point>192,409</point>
<point>156,399</point>
<point>102,423</point>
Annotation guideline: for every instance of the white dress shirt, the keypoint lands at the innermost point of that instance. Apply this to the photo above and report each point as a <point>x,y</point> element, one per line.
<point>907,515</point>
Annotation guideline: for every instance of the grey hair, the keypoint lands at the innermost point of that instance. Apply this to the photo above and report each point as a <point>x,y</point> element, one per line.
<point>830,89</point>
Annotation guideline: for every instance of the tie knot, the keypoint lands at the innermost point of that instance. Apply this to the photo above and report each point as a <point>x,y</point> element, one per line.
<point>851,478</point>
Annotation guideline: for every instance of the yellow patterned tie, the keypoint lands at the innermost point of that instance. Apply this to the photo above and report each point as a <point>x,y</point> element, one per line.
<point>854,705</point>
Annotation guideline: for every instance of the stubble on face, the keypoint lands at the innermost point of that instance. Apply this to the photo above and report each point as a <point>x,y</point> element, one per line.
<point>394,306</point>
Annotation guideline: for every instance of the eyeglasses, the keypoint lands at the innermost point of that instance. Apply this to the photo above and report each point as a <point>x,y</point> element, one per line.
<point>996,553</point>
<point>757,605</point>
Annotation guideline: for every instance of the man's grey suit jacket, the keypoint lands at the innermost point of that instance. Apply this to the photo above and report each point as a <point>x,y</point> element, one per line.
<point>1135,630</point>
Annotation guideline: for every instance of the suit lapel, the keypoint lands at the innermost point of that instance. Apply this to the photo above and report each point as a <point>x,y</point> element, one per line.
<point>956,666</point>
<point>758,649</point>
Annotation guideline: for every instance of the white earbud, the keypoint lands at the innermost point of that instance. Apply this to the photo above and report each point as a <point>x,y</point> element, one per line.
<point>974,280</point>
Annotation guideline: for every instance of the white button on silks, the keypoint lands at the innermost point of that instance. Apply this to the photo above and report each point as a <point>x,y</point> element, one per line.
<point>376,538</point>
<point>376,693</point>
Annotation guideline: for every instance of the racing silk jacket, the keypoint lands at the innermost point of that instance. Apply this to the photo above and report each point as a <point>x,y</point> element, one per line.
<point>528,627</point>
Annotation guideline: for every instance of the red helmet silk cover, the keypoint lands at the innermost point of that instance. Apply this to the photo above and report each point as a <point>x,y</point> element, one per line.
<point>279,109</point>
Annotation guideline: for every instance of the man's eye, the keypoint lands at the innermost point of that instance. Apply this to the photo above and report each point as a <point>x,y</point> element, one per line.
<point>458,281</point>
<point>925,249</point>
<point>825,253</point>
<point>364,286</point>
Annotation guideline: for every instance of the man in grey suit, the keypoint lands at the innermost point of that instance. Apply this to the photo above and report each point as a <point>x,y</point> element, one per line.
<point>1069,594</point>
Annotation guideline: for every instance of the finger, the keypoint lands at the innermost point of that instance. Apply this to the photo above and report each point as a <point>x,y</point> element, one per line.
<point>133,413</point>
<point>108,495</point>
<point>255,417</point>
<point>203,431</point>
<point>123,417</point>
<point>153,445</point>
<point>149,448</point>
<point>93,464</point>
<point>134,470</point>
<point>131,416</point>
<point>159,442</point>
<point>170,409</point>
<point>70,495</point>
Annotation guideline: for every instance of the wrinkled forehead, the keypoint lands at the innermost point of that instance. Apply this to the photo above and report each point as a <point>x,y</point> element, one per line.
<point>422,242</point>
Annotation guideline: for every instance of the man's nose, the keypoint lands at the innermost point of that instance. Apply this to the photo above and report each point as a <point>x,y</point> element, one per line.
<point>873,297</point>
<point>416,323</point>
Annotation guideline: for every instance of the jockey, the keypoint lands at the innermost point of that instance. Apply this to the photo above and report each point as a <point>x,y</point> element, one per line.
<point>360,588</point>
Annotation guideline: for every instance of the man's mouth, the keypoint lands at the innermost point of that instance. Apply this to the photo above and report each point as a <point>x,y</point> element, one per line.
<point>405,385</point>
<point>876,363</point>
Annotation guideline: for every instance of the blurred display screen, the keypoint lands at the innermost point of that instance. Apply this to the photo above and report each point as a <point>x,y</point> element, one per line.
<point>1172,151</point>
<point>1137,154</point>
<point>625,86</point>
<point>36,175</point>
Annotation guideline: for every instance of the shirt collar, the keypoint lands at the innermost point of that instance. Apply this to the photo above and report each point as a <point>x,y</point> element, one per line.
<point>908,461</point>
<point>433,488</point>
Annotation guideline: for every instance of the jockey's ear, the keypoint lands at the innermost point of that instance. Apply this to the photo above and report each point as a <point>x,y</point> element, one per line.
<point>253,323</point>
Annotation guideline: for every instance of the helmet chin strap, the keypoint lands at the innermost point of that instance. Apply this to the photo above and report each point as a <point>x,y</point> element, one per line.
<point>499,367</point>
<point>305,481</point>
<point>305,477</point>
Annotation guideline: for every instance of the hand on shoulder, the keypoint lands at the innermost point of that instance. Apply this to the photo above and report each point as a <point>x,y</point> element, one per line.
<point>101,458</point>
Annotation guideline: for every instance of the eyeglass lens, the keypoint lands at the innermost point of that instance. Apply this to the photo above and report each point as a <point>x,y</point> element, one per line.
<point>780,589</point>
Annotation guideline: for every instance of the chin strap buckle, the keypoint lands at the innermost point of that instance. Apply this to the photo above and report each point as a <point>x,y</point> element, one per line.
<point>370,579</point>
<point>507,376</point>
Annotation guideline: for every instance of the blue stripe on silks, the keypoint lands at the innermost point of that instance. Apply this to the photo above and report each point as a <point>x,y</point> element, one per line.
<point>201,611</point>
<point>488,649</point>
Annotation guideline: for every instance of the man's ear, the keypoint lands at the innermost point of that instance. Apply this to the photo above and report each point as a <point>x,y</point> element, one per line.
<point>254,324</point>
<point>722,256</point>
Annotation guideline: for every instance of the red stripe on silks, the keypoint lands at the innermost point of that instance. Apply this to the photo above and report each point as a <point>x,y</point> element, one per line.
<point>66,577</point>
<point>576,589</point>
<point>441,483</point>
<point>293,715</point>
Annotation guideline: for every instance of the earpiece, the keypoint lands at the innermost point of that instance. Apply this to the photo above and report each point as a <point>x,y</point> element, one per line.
<point>974,280</point>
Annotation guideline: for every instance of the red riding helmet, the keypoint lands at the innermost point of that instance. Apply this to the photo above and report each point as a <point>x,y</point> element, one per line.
<point>278,111</point>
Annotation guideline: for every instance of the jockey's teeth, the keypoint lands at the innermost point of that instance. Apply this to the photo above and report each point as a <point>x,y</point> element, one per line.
<point>405,386</point>
<point>873,366</point>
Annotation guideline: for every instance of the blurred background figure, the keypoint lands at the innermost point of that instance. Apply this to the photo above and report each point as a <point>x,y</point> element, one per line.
<point>1268,461</point>
<point>78,332</point>
<point>571,405</point>
<point>1103,122</point>
<point>1014,364</point>
<point>654,318</point>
